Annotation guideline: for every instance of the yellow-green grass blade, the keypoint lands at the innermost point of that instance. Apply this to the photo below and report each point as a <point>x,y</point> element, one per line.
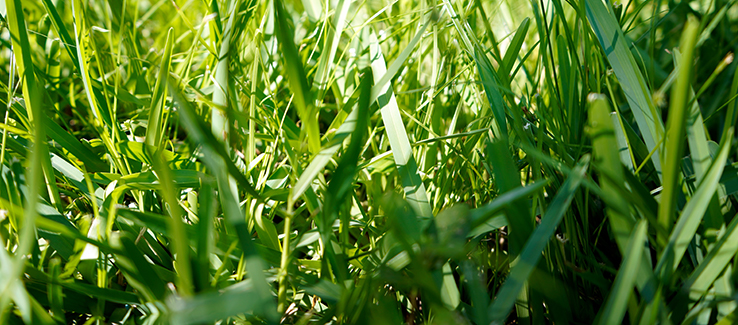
<point>214,306</point>
<point>622,289</point>
<point>616,48</point>
<point>673,144</point>
<point>330,46</point>
<point>514,49</point>
<point>325,155</point>
<point>382,84</point>
<point>607,161</point>
<point>159,97</point>
<point>699,150</point>
<point>178,236</point>
<point>491,84</point>
<point>33,95</point>
<point>402,151</point>
<point>528,259</point>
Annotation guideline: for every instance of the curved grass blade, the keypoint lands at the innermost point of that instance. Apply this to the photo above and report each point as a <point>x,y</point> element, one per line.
<point>219,163</point>
<point>33,95</point>
<point>297,78</point>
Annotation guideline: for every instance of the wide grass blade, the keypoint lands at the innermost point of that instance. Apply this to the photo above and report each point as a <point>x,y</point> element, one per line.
<point>524,264</point>
<point>622,288</point>
<point>303,98</point>
<point>692,214</point>
<point>616,48</point>
<point>402,151</point>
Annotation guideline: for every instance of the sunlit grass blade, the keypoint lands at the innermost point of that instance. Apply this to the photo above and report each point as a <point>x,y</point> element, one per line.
<point>33,95</point>
<point>223,169</point>
<point>402,151</point>
<point>615,46</point>
<point>156,111</point>
<point>714,263</point>
<point>330,46</point>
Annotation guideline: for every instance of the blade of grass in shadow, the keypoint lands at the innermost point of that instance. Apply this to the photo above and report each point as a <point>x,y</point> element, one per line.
<point>531,253</point>
<point>674,146</point>
<point>178,236</point>
<point>613,43</point>
<point>402,151</point>
<point>607,162</point>
<point>507,178</point>
<point>213,306</point>
<point>325,155</point>
<point>622,288</point>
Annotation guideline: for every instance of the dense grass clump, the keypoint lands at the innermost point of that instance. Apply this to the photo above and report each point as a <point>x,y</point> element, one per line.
<point>368,162</point>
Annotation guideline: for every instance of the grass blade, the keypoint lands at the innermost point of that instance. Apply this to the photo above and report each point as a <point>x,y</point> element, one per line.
<point>158,99</point>
<point>622,288</point>
<point>402,151</point>
<point>613,42</point>
<point>674,145</point>
<point>525,263</point>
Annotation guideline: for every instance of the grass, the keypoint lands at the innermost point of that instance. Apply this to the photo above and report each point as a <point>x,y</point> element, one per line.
<point>368,162</point>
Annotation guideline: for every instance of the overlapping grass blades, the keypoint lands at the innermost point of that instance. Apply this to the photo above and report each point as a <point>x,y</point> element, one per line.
<point>348,162</point>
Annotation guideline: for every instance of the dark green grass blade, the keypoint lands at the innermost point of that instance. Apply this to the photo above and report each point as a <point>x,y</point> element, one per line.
<point>531,253</point>
<point>622,289</point>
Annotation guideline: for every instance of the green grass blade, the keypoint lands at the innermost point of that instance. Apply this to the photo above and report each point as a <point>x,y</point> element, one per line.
<point>622,288</point>
<point>330,46</point>
<point>179,238</point>
<point>691,216</point>
<point>615,46</point>
<point>402,151</point>
<point>673,144</point>
<point>303,98</point>
<point>713,264</point>
<point>325,155</point>
<point>159,97</point>
<point>523,266</point>
<point>514,48</point>
<point>33,95</point>
<point>607,162</point>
